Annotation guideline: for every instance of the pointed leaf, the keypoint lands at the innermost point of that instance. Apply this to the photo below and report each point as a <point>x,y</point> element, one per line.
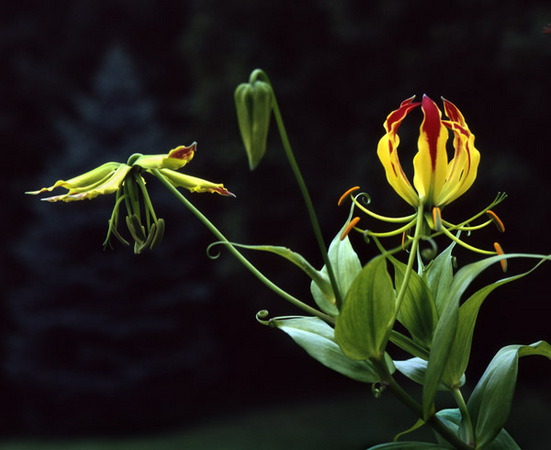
<point>490,402</point>
<point>452,418</point>
<point>319,279</point>
<point>439,275</point>
<point>468,313</point>
<point>318,339</point>
<point>417,311</point>
<point>362,326</point>
<point>407,344</point>
<point>415,369</point>
<point>444,334</point>
<point>415,426</point>
<point>464,277</point>
<point>346,266</point>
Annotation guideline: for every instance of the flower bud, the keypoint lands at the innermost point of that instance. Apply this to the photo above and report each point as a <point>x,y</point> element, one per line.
<point>253,102</point>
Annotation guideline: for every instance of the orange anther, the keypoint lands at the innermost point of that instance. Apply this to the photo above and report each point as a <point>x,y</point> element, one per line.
<point>343,196</point>
<point>500,251</point>
<point>437,218</point>
<point>351,225</point>
<point>405,236</point>
<point>496,220</point>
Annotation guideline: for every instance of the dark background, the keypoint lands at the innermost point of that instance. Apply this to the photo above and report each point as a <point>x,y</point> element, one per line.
<point>96,342</point>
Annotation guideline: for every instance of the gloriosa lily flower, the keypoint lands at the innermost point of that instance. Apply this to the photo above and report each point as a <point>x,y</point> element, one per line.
<point>126,180</point>
<point>109,177</point>
<point>437,181</point>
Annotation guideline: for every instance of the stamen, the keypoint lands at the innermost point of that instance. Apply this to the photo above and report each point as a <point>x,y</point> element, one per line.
<point>343,196</point>
<point>437,218</point>
<point>351,225</point>
<point>500,251</point>
<point>450,226</point>
<point>500,197</point>
<point>464,244</point>
<point>405,236</point>
<point>497,221</point>
<point>395,232</point>
<point>380,217</point>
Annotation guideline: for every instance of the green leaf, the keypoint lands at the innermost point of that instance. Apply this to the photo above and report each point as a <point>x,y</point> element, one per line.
<point>444,335</point>
<point>409,446</point>
<point>468,313</point>
<point>503,441</point>
<point>439,276</point>
<point>318,339</point>
<point>490,402</point>
<point>325,296</point>
<point>362,326</point>
<point>452,418</point>
<point>407,344</point>
<point>417,310</point>
<point>464,277</point>
<point>415,426</point>
<point>346,266</point>
<point>415,369</point>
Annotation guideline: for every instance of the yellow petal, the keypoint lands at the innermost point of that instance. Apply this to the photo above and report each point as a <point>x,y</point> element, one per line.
<point>84,181</point>
<point>387,150</point>
<point>194,184</point>
<point>175,159</point>
<point>109,185</point>
<point>431,161</point>
<point>462,169</point>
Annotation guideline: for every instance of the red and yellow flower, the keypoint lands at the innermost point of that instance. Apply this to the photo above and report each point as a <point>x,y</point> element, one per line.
<point>437,181</point>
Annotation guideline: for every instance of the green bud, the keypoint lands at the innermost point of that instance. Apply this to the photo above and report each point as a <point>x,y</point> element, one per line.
<point>136,228</point>
<point>140,247</point>
<point>253,103</point>
<point>118,236</point>
<point>158,235</point>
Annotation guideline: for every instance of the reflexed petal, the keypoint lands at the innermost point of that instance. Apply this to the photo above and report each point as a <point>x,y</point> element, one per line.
<point>85,181</point>
<point>194,184</point>
<point>387,151</point>
<point>108,185</point>
<point>463,167</point>
<point>175,159</point>
<point>431,161</point>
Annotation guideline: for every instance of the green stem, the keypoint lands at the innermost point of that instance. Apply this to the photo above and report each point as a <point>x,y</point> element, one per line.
<point>147,199</point>
<point>303,189</point>
<point>411,261</point>
<point>433,420</point>
<point>465,415</point>
<point>291,299</point>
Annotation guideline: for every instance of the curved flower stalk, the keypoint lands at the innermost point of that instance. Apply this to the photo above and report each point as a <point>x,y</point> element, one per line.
<point>127,182</point>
